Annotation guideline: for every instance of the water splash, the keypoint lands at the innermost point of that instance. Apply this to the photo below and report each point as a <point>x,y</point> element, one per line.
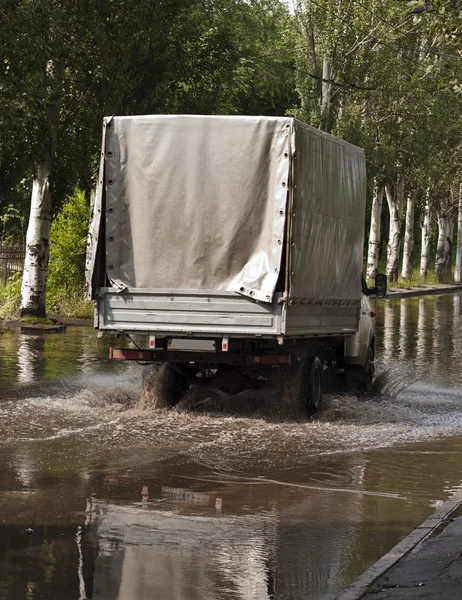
<point>390,382</point>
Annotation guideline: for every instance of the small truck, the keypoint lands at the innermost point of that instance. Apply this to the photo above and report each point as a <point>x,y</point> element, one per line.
<point>233,244</point>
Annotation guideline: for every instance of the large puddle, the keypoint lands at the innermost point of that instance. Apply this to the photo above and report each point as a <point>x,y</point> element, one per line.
<point>101,500</point>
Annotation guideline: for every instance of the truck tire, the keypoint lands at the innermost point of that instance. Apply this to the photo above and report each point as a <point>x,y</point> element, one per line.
<point>314,386</point>
<point>362,378</point>
<point>305,385</point>
<point>369,372</point>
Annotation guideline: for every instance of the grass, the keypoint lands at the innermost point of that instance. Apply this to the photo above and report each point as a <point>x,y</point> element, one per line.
<point>9,309</point>
<point>72,306</point>
<point>31,320</point>
<point>68,304</point>
<point>417,281</point>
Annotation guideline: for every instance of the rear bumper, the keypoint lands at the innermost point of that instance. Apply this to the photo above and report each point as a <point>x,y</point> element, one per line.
<point>164,356</point>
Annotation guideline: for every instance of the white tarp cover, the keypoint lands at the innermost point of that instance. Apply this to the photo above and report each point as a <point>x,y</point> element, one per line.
<point>196,202</point>
<point>329,201</point>
<point>94,230</point>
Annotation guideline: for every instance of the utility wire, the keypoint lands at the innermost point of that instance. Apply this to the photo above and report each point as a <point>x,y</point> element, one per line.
<point>333,82</point>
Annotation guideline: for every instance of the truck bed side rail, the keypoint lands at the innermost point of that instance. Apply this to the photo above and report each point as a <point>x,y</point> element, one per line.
<point>174,312</point>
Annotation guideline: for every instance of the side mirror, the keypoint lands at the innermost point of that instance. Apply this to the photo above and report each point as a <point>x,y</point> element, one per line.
<point>380,285</point>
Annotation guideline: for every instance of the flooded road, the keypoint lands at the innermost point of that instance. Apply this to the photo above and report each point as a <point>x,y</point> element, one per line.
<point>99,500</point>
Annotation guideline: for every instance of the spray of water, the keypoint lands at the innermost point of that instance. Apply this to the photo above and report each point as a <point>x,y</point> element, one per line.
<point>274,402</point>
<point>152,394</point>
<point>390,382</point>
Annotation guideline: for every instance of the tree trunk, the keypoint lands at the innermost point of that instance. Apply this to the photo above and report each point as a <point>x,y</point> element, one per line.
<point>457,272</point>
<point>374,235</point>
<point>33,290</point>
<point>326,94</point>
<point>406,272</point>
<point>425,251</point>
<point>394,200</point>
<point>440,247</point>
<point>448,245</point>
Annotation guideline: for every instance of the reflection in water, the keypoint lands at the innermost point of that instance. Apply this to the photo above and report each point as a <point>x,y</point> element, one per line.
<point>437,325</point>
<point>428,335</point>
<point>178,556</point>
<point>221,541</point>
<point>30,358</point>
<point>403,329</point>
<point>456,344</point>
<point>80,568</point>
<point>388,340</point>
<point>197,552</point>
<point>422,326</point>
<point>139,537</point>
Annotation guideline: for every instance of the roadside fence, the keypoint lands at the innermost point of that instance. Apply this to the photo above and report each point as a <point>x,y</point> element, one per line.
<point>11,260</point>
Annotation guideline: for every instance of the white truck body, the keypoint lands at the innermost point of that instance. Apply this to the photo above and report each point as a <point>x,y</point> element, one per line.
<point>217,226</point>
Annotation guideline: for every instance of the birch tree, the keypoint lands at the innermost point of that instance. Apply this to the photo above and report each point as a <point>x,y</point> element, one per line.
<point>395,201</point>
<point>448,244</point>
<point>425,247</point>
<point>406,272</point>
<point>33,291</point>
<point>374,235</point>
<point>458,269</point>
<point>440,257</point>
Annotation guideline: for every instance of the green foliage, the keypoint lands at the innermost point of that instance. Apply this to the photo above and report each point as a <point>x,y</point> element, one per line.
<point>442,18</point>
<point>10,297</point>
<point>68,238</point>
<point>32,320</point>
<point>384,80</point>
<point>12,225</point>
<point>128,57</point>
<point>392,86</point>
<point>73,305</point>
<point>417,281</point>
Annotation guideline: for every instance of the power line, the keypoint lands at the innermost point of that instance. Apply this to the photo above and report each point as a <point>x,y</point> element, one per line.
<point>333,82</point>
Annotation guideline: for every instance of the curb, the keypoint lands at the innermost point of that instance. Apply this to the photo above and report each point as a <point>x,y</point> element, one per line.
<point>357,589</point>
<point>34,330</point>
<point>427,291</point>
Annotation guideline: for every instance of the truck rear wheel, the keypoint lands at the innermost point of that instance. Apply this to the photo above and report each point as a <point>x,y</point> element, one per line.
<point>369,372</point>
<point>361,378</point>
<point>305,385</point>
<point>314,386</point>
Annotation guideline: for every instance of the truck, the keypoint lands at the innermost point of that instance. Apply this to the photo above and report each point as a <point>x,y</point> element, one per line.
<point>232,245</point>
